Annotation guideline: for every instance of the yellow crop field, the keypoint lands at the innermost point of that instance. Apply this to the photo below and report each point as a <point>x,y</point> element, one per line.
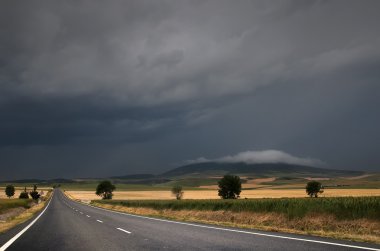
<point>213,194</point>
<point>20,189</point>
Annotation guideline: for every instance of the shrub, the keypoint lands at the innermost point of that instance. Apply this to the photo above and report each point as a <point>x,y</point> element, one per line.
<point>24,194</point>
<point>34,194</point>
<point>177,191</point>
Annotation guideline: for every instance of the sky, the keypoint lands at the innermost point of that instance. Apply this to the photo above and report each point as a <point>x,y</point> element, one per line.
<point>105,88</point>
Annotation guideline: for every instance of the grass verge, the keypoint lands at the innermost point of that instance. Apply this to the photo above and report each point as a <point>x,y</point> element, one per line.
<point>349,218</point>
<point>7,204</point>
<point>30,209</point>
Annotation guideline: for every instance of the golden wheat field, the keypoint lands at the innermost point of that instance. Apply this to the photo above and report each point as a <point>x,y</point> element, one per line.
<point>20,189</point>
<point>213,194</point>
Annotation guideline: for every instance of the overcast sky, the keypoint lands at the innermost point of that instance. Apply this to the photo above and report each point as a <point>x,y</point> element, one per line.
<point>104,88</point>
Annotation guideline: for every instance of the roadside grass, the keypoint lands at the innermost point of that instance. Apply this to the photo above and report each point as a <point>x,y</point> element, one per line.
<point>6,204</point>
<point>340,207</point>
<point>350,218</point>
<point>30,210</point>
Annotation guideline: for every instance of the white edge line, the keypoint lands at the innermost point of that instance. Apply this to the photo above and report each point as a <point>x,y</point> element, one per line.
<point>118,228</point>
<point>241,231</point>
<point>14,238</point>
<point>96,220</point>
<point>235,230</point>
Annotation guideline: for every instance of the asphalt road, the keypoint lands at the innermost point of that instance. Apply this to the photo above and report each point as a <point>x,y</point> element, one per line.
<point>69,225</point>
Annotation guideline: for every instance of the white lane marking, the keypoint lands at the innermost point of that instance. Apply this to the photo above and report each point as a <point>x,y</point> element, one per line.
<point>118,228</point>
<point>241,231</point>
<point>80,212</point>
<point>99,221</point>
<point>88,215</point>
<point>14,238</point>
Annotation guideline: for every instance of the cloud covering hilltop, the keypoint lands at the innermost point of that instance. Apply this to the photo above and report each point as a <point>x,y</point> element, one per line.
<point>259,157</point>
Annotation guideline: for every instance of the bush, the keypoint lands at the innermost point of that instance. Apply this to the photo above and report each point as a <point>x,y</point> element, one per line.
<point>177,191</point>
<point>105,189</point>
<point>34,194</point>
<point>10,191</point>
<point>24,194</point>
<point>229,187</point>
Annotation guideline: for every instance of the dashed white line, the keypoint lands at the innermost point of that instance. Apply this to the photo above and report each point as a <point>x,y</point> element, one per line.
<point>88,215</point>
<point>99,221</point>
<point>80,212</point>
<point>240,231</point>
<point>123,230</point>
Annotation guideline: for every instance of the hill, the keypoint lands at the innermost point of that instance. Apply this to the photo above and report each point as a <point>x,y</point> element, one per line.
<point>262,170</point>
<point>134,176</point>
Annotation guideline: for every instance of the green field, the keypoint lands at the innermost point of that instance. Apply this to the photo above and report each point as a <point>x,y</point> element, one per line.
<point>341,208</point>
<point>6,204</point>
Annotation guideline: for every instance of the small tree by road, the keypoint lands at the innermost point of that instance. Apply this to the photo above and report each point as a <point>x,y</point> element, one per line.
<point>313,188</point>
<point>24,194</point>
<point>34,194</point>
<point>105,189</point>
<point>10,191</point>
<point>229,187</point>
<point>177,191</point>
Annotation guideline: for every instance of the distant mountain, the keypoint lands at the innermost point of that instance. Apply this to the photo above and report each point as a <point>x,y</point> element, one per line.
<point>268,169</point>
<point>147,179</point>
<point>39,181</point>
<point>134,176</point>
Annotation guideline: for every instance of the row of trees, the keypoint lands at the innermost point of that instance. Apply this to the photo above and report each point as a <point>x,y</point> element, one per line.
<point>10,192</point>
<point>229,188</point>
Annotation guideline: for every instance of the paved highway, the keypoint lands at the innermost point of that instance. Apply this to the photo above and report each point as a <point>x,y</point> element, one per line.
<point>69,225</point>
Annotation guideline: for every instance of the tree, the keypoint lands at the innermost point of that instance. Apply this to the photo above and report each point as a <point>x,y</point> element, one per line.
<point>34,194</point>
<point>313,188</point>
<point>10,191</point>
<point>24,194</point>
<point>229,187</point>
<point>177,191</point>
<point>105,189</point>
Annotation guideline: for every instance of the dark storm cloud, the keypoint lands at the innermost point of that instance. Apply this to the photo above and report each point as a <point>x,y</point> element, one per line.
<point>159,76</point>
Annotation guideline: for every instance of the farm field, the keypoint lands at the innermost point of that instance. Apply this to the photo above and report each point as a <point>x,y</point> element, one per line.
<point>368,181</point>
<point>19,189</point>
<point>213,194</point>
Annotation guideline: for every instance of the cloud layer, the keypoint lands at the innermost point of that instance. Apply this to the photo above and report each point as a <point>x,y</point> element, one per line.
<point>259,157</point>
<point>161,81</point>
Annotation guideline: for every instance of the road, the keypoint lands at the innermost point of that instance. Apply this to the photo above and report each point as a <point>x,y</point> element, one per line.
<point>69,225</point>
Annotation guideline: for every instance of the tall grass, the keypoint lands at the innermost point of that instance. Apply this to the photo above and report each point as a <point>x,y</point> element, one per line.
<point>340,207</point>
<point>12,203</point>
